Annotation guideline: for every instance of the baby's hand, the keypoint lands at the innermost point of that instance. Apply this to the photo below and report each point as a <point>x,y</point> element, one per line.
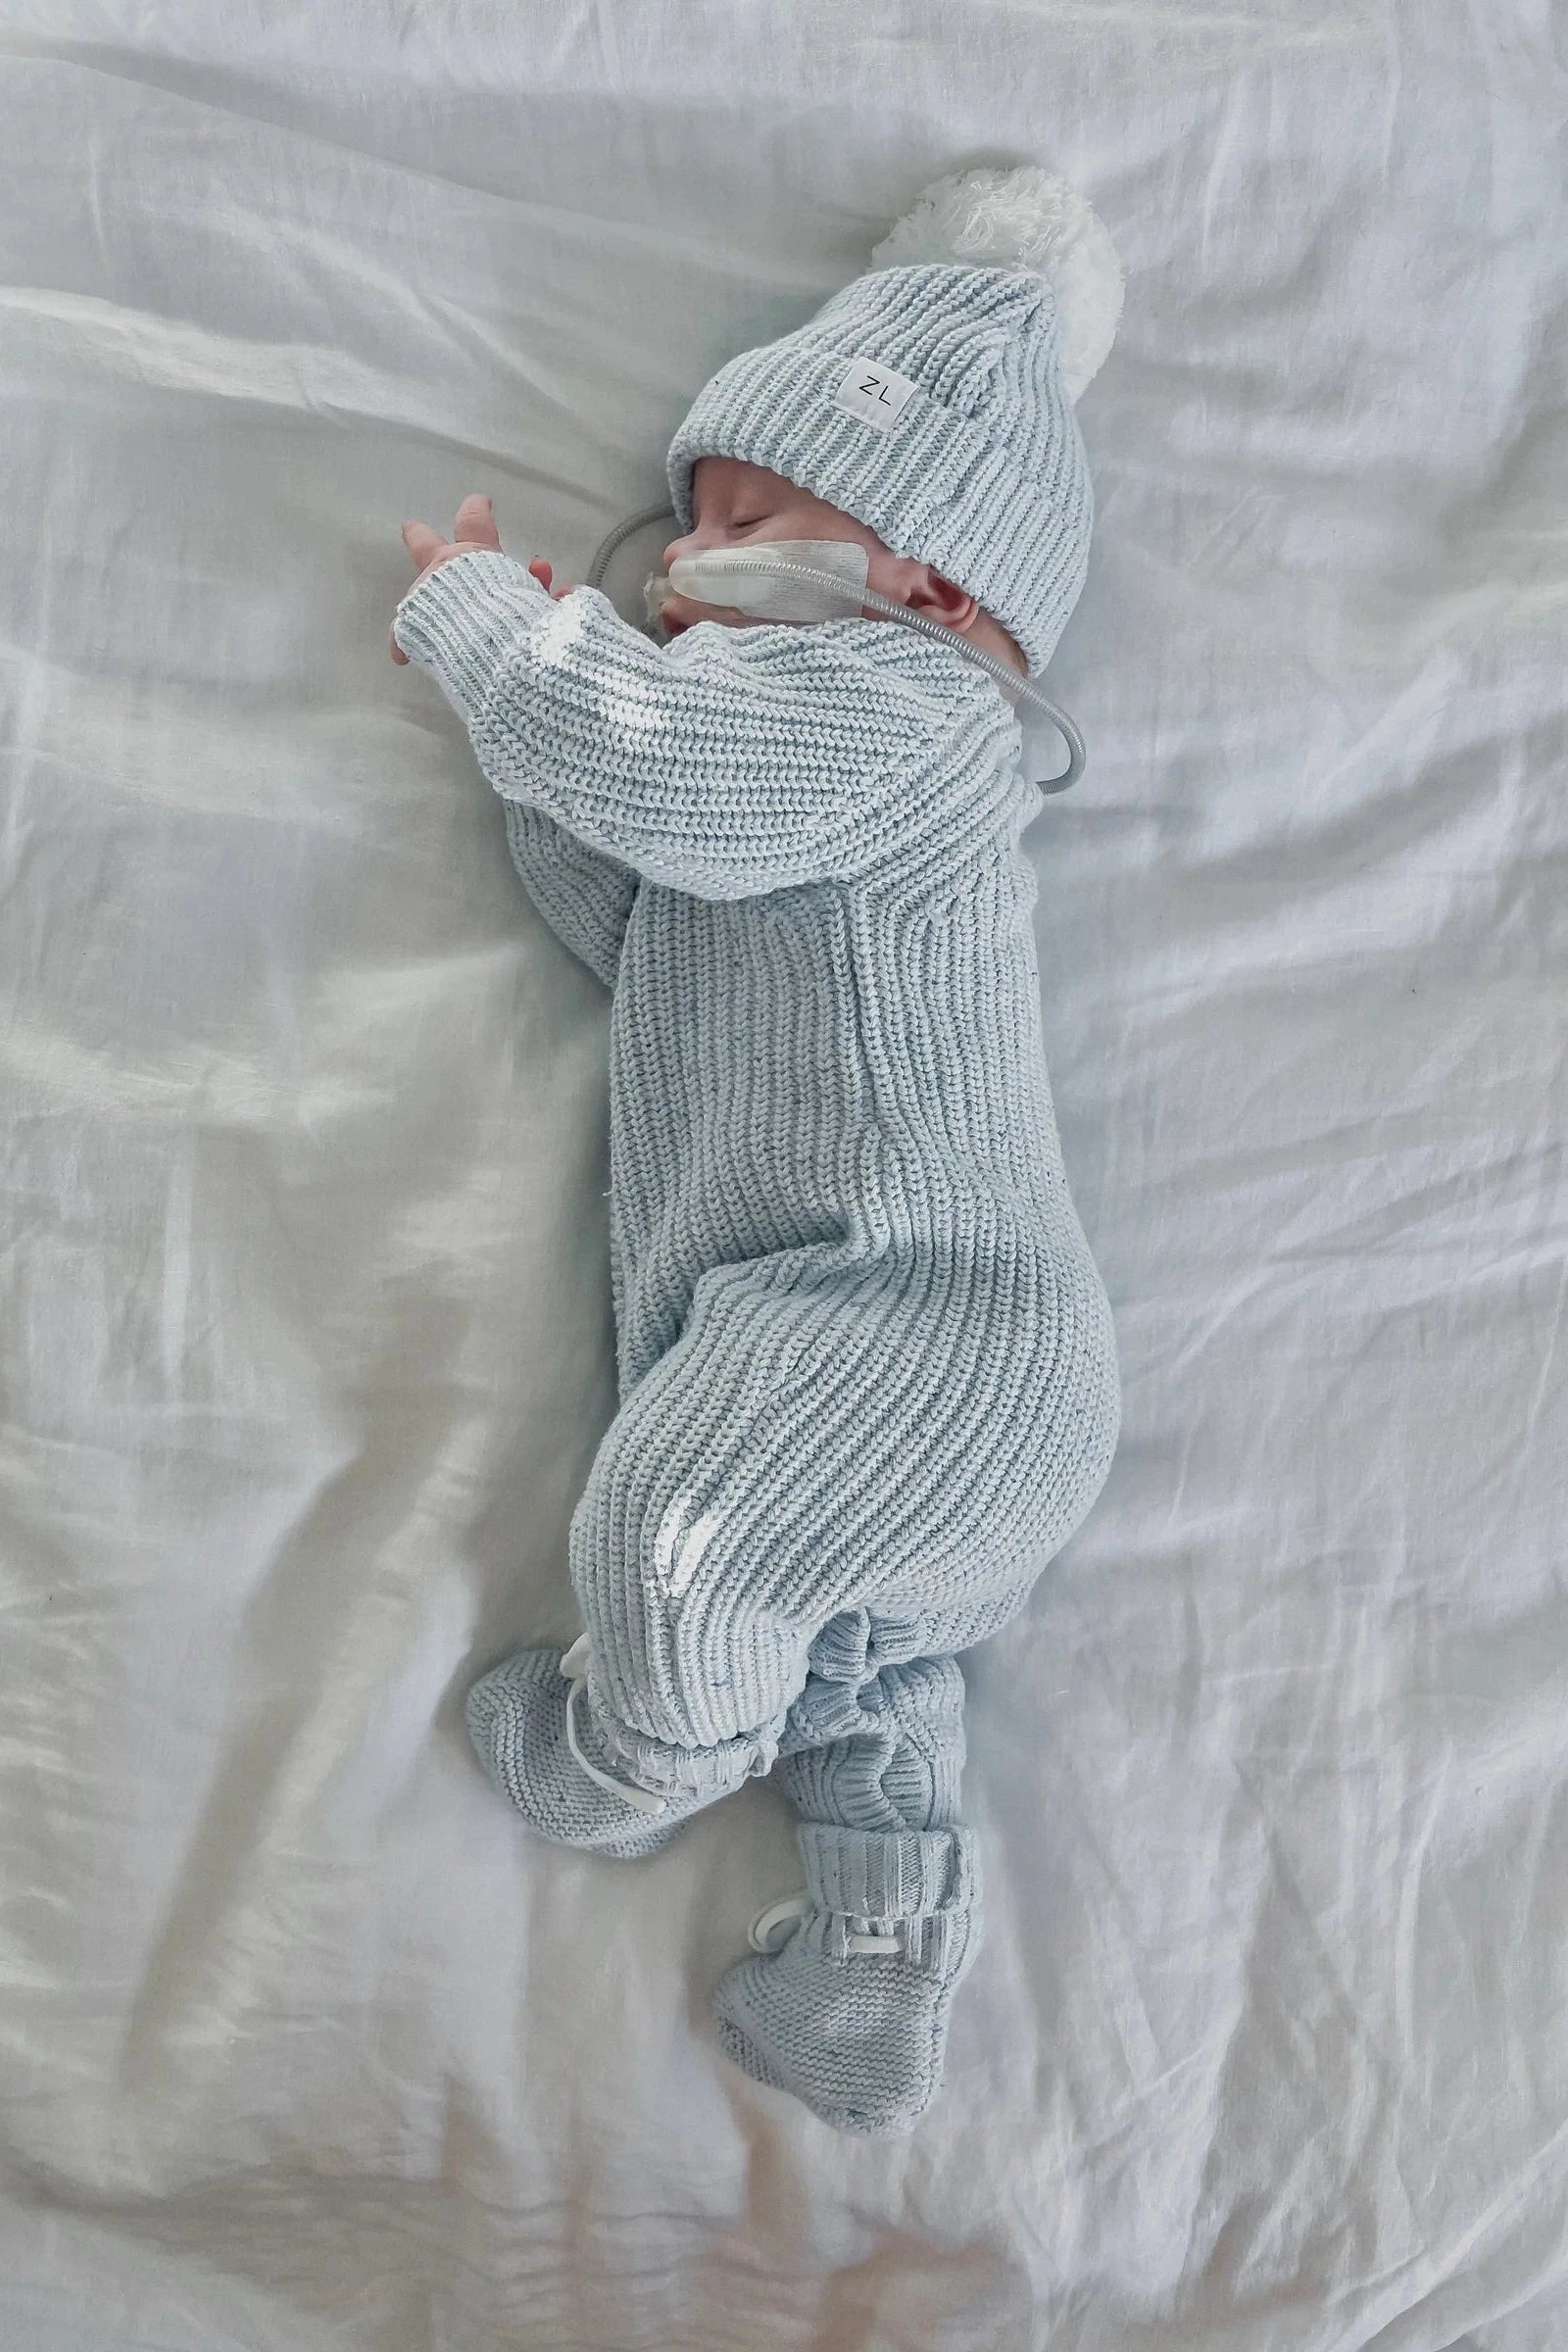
<point>476,526</point>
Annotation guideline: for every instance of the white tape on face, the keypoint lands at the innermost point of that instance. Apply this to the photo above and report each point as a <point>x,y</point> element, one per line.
<point>744,578</point>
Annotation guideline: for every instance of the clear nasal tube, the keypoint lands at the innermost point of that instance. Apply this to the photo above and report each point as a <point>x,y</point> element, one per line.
<point>825,580</point>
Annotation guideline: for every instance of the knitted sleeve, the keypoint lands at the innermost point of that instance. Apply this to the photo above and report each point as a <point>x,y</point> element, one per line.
<point>583,895</point>
<point>727,765</point>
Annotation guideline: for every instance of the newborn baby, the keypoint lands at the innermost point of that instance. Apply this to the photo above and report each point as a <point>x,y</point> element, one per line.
<point>867,1381</point>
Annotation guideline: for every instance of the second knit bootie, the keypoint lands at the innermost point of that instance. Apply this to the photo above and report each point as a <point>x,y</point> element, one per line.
<point>536,1738</point>
<point>850,2014</point>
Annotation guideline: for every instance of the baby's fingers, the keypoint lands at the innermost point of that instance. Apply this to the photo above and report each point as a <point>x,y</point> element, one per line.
<point>545,575</point>
<point>475,526</point>
<point>422,544</point>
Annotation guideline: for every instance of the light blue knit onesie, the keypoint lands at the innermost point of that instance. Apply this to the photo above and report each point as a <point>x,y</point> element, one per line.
<point>866,1371</point>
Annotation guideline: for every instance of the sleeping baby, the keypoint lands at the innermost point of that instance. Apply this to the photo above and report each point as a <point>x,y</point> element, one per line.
<point>866,1375</point>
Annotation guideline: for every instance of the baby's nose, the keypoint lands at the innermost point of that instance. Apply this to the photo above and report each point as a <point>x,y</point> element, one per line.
<point>702,535</point>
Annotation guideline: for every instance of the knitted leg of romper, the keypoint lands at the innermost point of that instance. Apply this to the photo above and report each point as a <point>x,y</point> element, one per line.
<point>678,1688</point>
<point>852,2014</point>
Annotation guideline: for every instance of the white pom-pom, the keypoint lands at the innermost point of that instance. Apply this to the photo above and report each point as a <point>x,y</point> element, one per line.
<point>1029,219</point>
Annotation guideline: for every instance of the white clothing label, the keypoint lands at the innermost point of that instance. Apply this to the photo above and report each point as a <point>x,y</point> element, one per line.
<point>873,392</point>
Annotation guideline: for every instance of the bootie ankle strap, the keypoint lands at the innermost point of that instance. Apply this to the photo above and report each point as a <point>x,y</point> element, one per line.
<point>574,1666</point>
<point>771,1930</point>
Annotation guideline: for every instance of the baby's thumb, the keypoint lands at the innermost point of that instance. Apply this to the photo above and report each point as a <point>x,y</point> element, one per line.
<point>475,526</point>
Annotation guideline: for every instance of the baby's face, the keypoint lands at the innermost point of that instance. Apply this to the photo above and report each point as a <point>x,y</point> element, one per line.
<point>734,502</point>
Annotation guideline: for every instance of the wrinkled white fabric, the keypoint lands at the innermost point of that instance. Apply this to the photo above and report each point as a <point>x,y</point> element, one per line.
<point>305,1337</point>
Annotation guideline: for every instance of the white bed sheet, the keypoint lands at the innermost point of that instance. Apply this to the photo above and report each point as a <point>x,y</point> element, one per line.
<point>303,2046</point>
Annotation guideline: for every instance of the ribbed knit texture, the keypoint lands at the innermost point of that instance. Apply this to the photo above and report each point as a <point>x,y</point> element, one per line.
<point>866,1369</point>
<point>983,472</point>
<point>880,1754</point>
<point>583,895</point>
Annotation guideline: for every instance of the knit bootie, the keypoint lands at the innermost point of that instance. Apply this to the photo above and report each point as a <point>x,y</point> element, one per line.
<point>539,1742</point>
<point>851,2014</point>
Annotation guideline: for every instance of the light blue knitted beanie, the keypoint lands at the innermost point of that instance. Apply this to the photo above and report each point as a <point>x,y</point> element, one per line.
<point>932,398</point>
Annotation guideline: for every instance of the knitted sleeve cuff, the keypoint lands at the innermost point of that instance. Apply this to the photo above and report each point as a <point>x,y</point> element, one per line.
<point>460,619</point>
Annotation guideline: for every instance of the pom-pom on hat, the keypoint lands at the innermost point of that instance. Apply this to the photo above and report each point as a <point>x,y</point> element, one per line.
<point>932,398</point>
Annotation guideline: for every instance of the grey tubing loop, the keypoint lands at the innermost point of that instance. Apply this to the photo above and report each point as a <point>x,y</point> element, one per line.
<point>594,578</point>
<point>1016,688</point>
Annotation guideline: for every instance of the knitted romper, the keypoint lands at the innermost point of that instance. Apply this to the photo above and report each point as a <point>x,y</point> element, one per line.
<point>867,1381</point>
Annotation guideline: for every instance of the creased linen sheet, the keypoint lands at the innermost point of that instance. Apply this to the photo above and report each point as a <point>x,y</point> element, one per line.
<point>306,1327</point>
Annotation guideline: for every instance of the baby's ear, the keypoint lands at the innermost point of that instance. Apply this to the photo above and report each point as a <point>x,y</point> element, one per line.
<point>941,598</point>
